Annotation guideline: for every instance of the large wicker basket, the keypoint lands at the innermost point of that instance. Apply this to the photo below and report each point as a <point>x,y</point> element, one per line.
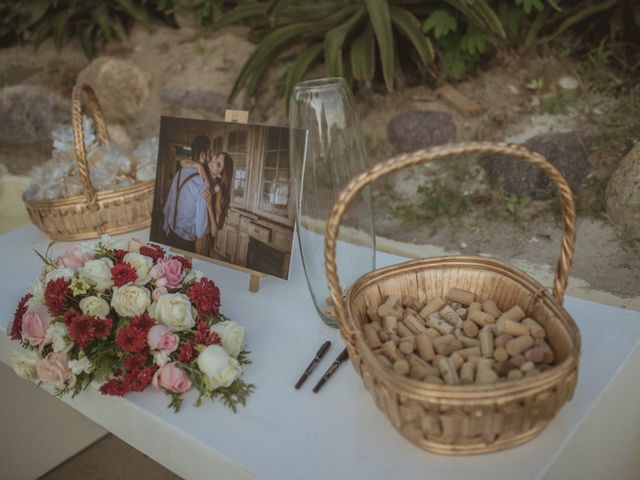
<point>461,419</point>
<point>93,213</point>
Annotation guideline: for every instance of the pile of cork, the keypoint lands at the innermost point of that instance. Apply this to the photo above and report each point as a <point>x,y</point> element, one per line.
<point>457,341</point>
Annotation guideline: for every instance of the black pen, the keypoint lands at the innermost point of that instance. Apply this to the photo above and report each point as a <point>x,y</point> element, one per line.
<point>334,366</point>
<point>314,363</point>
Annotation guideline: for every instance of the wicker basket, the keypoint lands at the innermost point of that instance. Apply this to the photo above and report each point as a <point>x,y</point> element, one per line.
<point>94,213</point>
<point>461,419</point>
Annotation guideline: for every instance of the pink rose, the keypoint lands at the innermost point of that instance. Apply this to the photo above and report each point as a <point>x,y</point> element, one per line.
<point>35,323</point>
<point>158,292</point>
<point>54,370</point>
<point>172,378</point>
<point>167,273</point>
<point>160,337</point>
<point>74,258</point>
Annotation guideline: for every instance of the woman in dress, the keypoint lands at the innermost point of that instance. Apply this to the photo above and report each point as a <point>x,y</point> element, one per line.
<point>218,174</point>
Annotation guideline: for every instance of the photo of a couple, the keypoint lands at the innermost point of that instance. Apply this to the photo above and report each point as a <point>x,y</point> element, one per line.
<point>224,191</point>
<point>198,201</point>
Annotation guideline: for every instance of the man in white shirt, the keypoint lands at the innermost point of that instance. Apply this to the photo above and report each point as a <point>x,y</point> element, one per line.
<point>185,212</point>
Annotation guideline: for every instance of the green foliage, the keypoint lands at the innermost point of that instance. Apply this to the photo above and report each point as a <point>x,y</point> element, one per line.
<point>558,104</point>
<point>513,203</point>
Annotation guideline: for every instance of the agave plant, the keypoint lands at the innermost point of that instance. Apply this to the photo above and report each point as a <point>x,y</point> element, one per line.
<point>352,37</point>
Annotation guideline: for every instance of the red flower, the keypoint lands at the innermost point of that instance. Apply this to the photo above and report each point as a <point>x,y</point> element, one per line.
<point>16,325</point>
<point>144,321</point>
<point>205,297</point>
<point>82,330</point>
<point>187,352</point>
<point>152,250</point>
<point>138,380</point>
<point>114,387</point>
<point>55,295</point>
<point>204,336</point>
<point>186,263</point>
<point>119,254</point>
<point>123,273</point>
<point>131,339</point>
<point>69,316</point>
<point>134,362</point>
<point>102,327</point>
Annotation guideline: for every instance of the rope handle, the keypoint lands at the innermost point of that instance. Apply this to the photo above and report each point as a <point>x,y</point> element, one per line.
<point>102,135</point>
<point>418,157</point>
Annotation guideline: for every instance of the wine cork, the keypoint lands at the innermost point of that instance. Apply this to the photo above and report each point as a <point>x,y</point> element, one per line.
<point>534,327</point>
<point>401,367</point>
<point>485,375</point>
<point>519,345</point>
<point>465,353</point>
<point>486,343</point>
<point>469,342</point>
<point>500,354</point>
<point>402,330</point>
<point>535,355</point>
<point>470,328</point>
<point>440,325</point>
<point>515,374</point>
<point>407,345</point>
<point>409,301</point>
<point>549,356</point>
<point>390,350</point>
<point>372,313</point>
<point>503,368</point>
<point>390,307</point>
<point>518,360</point>
<point>449,348</point>
<point>414,324</point>
<point>481,318</point>
<point>443,340</point>
<point>502,340</point>
<point>408,311</point>
<point>460,296</point>
<point>432,306</point>
<point>432,332</point>
<point>416,361</point>
<point>515,313</point>
<point>384,336</point>
<point>467,373</point>
<point>456,360</point>
<point>462,313</point>
<point>384,360</point>
<point>425,347</point>
<point>390,325</point>
<point>371,336</point>
<point>449,315</point>
<point>516,329</point>
<point>448,372</point>
<point>491,308</point>
<point>474,306</point>
<point>525,367</point>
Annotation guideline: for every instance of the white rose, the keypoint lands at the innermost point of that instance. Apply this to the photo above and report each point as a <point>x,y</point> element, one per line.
<point>62,272</point>
<point>81,365</point>
<point>98,273</point>
<point>58,333</point>
<point>232,336</point>
<point>160,358</point>
<point>24,362</point>
<point>216,364</point>
<point>142,264</point>
<point>36,289</point>
<point>114,244</point>
<point>95,306</point>
<point>194,275</point>
<point>130,300</point>
<point>134,244</point>
<point>175,311</point>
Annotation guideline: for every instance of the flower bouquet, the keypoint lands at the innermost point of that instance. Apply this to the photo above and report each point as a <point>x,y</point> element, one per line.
<point>127,315</point>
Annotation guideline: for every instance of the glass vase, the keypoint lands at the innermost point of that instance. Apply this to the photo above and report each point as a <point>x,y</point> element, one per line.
<point>323,162</point>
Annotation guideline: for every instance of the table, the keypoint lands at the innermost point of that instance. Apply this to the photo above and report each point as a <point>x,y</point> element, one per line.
<point>339,433</point>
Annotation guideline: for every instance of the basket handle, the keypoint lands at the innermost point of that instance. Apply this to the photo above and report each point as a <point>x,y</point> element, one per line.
<point>78,136</point>
<point>400,162</point>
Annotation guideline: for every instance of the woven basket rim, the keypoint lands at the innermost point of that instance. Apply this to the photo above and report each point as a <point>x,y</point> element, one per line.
<point>473,391</point>
<point>101,196</point>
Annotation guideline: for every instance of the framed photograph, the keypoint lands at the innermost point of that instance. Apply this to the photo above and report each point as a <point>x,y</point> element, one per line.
<point>224,191</point>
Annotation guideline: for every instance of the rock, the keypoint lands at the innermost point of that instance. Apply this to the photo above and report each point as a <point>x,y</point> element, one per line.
<point>121,87</point>
<point>623,194</point>
<point>568,83</point>
<point>29,112</point>
<point>569,152</point>
<point>411,131</point>
<point>195,99</point>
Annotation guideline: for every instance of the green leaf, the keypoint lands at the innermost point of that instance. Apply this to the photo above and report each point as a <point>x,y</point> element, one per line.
<point>409,26</point>
<point>363,55</point>
<point>298,69</point>
<point>470,16</point>
<point>489,17</point>
<point>381,23</point>
<point>441,22</point>
<point>474,42</point>
<point>241,13</point>
<point>59,28</point>
<point>101,16</point>
<point>334,41</point>
<point>528,5</point>
<point>37,10</point>
<point>135,11</point>
<point>86,40</point>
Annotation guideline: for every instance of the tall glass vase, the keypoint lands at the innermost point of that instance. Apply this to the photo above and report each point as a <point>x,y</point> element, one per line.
<point>323,162</point>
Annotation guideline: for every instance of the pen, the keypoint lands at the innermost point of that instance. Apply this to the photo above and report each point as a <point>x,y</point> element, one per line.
<point>334,366</point>
<point>314,363</point>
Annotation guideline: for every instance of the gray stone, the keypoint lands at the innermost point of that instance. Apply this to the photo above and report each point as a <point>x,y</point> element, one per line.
<point>411,131</point>
<point>568,152</point>
<point>121,87</point>
<point>29,112</point>
<point>623,194</point>
<point>195,99</point>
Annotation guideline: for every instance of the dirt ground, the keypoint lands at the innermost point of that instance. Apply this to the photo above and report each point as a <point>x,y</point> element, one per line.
<point>513,110</point>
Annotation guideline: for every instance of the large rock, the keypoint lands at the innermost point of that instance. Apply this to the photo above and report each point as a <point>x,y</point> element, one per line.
<point>195,99</point>
<point>569,152</point>
<point>623,194</point>
<point>411,131</point>
<point>121,87</point>
<point>29,112</point>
